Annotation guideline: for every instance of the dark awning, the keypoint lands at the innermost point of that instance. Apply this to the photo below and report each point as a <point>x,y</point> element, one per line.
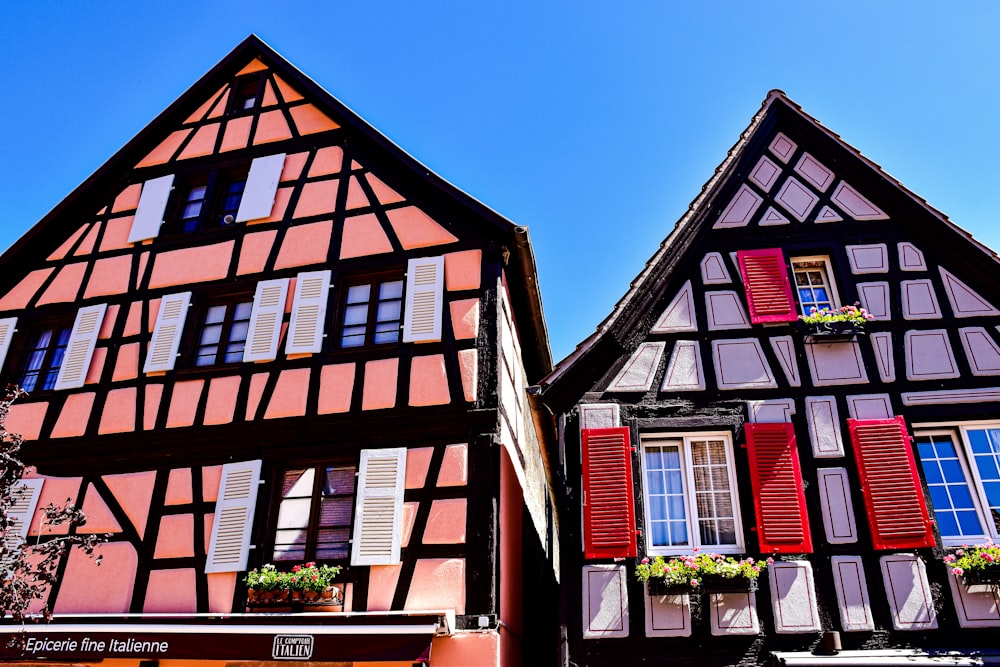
<point>889,658</point>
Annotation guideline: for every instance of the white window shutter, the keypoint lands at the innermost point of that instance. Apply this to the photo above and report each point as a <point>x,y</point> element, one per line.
<point>424,299</point>
<point>166,339</point>
<point>262,184</point>
<point>7,327</point>
<point>234,510</point>
<point>305,332</point>
<point>378,515</point>
<point>265,320</point>
<point>80,349</point>
<point>22,509</point>
<point>152,206</point>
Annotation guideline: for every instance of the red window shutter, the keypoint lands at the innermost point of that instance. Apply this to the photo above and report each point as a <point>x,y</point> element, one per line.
<point>769,292</point>
<point>897,512</point>
<point>608,503</point>
<point>782,523</point>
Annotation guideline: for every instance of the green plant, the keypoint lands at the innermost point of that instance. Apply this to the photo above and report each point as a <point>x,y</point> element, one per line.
<point>978,557</point>
<point>854,314</point>
<point>266,578</point>
<point>307,577</point>
<point>689,570</point>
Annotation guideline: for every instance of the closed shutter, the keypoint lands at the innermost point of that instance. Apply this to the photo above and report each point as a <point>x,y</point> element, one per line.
<point>152,205</point>
<point>24,499</point>
<point>262,184</point>
<point>608,501</point>
<point>265,320</point>
<point>769,293</point>
<point>897,513</point>
<point>782,523</point>
<point>166,339</point>
<point>424,299</point>
<point>80,349</point>
<point>7,328</point>
<point>305,332</point>
<point>378,514</point>
<point>234,510</point>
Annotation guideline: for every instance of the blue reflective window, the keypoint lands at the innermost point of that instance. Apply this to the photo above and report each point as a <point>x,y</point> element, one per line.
<point>951,495</point>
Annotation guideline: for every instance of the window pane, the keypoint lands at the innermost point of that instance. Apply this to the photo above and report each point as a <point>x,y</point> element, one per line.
<point>215,315</point>
<point>391,290</point>
<point>359,293</point>
<point>665,492</point>
<point>388,311</point>
<point>355,315</point>
<point>294,513</point>
<point>951,496</point>
<point>211,334</point>
<point>713,496</point>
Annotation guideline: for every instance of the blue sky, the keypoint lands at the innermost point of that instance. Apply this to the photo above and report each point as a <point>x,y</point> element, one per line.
<point>594,124</point>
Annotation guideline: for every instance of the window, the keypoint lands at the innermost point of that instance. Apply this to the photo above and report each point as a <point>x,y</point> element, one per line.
<point>813,285</point>
<point>222,335</point>
<point>208,201</point>
<point>43,358</point>
<point>246,93</point>
<point>962,469</point>
<point>314,514</point>
<point>372,312</point>
<point>689,487</point>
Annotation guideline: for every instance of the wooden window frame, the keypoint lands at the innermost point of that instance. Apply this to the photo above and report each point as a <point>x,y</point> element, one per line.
<point>374,280</point>
<point>16,366</point>
<point>230,300</point>
<point>236,105</point>
<point>212,214</point>
<point>826,269</point>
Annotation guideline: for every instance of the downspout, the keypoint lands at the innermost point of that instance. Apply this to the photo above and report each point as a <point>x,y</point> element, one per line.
<point>528,270</point>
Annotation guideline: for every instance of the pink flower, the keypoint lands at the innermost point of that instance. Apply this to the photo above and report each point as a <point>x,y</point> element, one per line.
<point>987,557</point>
<point>960,552</point>
<point>958,572</point>
<point>296,568</point>
<point>310,564</point>
<point>694,582</point>
<point>770,561</point>
<point>695,549</point>
<point>644,561</point>
<point>950,558</point>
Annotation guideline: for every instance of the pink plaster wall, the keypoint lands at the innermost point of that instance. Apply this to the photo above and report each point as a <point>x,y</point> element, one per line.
<point>328,160</point>
<point>463,270</point>
<point>281,199</point>
<point>133,323</point>
<point>438,583</point>
<point>99,516</point>
<point>184,403</point>
<point>309,120</point>
<point>288,93</point>
<point>305,244</point>
<point>179,487</point>
<point>429,381</point>
<point>72,420</point>
<point>454,466</point>
<point>127,199</point>
<point>109,321</point>
<point>133,491</point>
<point>356,197</point>
<point>119,411</point>
<point>317,198</point>
<point>409,516</point>
<point>416,229</point>
<point>237,134</point>
<point>221,405</point>
<point>382,581</point>
<point>211,477</point>
<point>171,591</point>
<point>58,491</point>
<point>465,318</point>
<point>143,260</point>
<point>165,150</point>
<point>336,386</point>
<point>26,419</point>
<point>19,296</point>
<point>293,166</point>
<point>511,571</point>
<point>110,276</point>
<point>87,245</point>
<point>254,65</point>
<point>175,538</point>
<point>363,235</point>
<point>380,384</point>
<point>385,194</point>
<point>257,383</point>
<point>126,363</point>
<point>202,143</point>
<point>88,588</point>
<point>202,111</point>
<point>253,254</point>
<point>65,286</point>
<point>116,233</point>
<point>63,249</point>
<point>221,586</point>
<point>466,649</point>
<point>154,392</point>
<point>271,126</point>
<point>468,364</point>
<point>290,394</point>
<point>446,522</point>
<point>192,265</point>
<point>418,460</point>
<point>96,367</point>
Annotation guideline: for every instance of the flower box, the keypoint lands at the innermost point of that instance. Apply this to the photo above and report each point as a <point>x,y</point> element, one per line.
<point>295,600</point>
<point>657,587</point>
<point>831,332</point>
<point>982,581</point>
<point>714,583</point>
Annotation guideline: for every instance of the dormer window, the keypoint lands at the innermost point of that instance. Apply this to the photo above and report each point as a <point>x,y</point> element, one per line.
<point>247,91</point>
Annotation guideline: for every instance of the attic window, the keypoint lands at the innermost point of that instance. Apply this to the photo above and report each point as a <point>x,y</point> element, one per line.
<point>246,94</point>
<point>207,201</point>
<point>813,285</point>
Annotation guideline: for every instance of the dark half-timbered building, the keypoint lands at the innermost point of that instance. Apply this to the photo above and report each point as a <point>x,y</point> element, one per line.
<point>703,416</point>
<point>260,334</point>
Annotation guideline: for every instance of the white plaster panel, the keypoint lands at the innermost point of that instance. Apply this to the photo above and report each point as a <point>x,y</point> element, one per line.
<point>929,355</point>
<point>725,311</point>
<point>965,302</point>
<point>734,614</point>
<point>951,396</point>
<point>740,364</point>
<point>815,173</point>
<point>882,346</point>
<point>870,406</point>
<point>852,594</point>
<point>796,198</point>
<point>740,209</point>
<point>782,147</point>
<point>919,300</point>
<point>784,348</point>
<point>668,615</point>
<point>684,370</point>
<point>874,298</point>
<point>773,216</point>
<point>605,601</point>
<point>836,363</point>
<point>793,596</point>
<point>908,592</point>
<point>824,427</point>
<point>679,315</point>
<point>870,258</point>
<point>911,258</point>
<point>851,202</point>
<point>638,372</point>
<point>778,410</point>
<point>765,173</point>
<point>714,271</point>
<point>975,610</point>
<point>981,350</point>
<point>599,415</point>
<point>838,509</point>
<point>828,214</point>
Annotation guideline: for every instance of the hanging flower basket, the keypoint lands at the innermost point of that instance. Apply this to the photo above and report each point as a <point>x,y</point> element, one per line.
<point>977,567</point>
<point>831,326</point>
<point>983,580</point>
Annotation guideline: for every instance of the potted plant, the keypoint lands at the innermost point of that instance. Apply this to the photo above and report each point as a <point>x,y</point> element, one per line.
<point>305,584</point>
<point>707,572</point>
<point>829,325</point>
<point>316,582</point>
<point>262,584</point>
<point>978,566</point>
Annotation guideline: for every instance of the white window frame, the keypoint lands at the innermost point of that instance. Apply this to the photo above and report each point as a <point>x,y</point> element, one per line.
<point>827,270</point>
<point>690,503</point>
<point>958,431</point>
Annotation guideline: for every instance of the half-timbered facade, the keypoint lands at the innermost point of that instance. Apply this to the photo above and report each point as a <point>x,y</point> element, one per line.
<point>702,416</point>
<point>264,334</point>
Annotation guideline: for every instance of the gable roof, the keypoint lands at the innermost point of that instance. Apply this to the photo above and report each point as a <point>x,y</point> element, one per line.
<point>619,331</point>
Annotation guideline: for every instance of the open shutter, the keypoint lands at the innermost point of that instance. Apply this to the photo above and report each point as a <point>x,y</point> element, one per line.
<point>782,523</point>
<point>265,320</point>
<point>891,488</point>
<point>305,332</point>
<point>378,515</point>
<point>80,349</point>
<point>152,205</point>
<point>608,502</point>
<point>167,335</point>
<point>234,510</point>
<point>7,328</point>
<point>24,500</point>
<point>262,184</point>
<point>424,299</point>
<point>769,293</point>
